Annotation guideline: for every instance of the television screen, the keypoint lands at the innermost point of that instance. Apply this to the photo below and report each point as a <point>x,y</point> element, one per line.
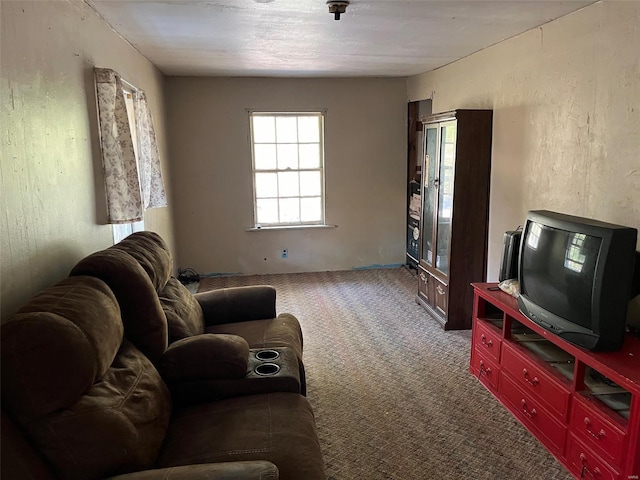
<point>561,266</point>
<point>576,277</point>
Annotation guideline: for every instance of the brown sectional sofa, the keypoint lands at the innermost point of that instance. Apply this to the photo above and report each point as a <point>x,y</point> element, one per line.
<point>157,310</point>
<point>112,372</point>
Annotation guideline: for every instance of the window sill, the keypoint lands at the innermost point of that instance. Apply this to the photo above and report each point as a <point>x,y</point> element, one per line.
<point>289,227</point>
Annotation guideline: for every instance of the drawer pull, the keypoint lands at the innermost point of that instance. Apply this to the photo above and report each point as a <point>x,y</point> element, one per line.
<point>440,290</point>
<point>595,473</point>
<point>423,277</point>
<point>486,342</point>
<point>484,370</point>
<point>533,382</point>
<point>529,413</point>
<point>598,436</point>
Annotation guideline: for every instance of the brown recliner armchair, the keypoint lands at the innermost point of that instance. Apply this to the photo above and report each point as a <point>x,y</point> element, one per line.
<point>170,325</point>
<point>85,403</point>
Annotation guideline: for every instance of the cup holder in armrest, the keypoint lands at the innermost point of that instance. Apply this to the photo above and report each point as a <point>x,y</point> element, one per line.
<point>267,369</point>
<point>265,355</point>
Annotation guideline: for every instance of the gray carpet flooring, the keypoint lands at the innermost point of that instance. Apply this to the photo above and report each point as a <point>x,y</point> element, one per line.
<point>391,391</point>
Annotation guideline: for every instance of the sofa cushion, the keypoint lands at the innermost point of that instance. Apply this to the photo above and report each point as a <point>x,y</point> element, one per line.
<point>88,400</point>
<point>117,426</point>
<point>144,320</point>
<point>282,331</point>
<point>183,312</point>
<point>19,460</point>
<point>73,326</point>
<point>152,253</point>
<point>277,427</point>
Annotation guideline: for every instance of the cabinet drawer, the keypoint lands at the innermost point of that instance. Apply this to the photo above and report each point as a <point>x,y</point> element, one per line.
<point>486,339</point>
<point>532,414</point>
<point>586,464</point>
<point>440,295</point>
<point>486,370</point>
<point>597,432</point>
<point>534,380</point>
<point>425,286</point>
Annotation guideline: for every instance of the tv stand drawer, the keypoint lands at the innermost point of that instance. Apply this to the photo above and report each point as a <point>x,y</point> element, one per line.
<point>532,413</point>
<point>486,339</point>
<point>597,432</point>
<point>533,379</point>
<point>586,464</point>
<point>486,370</point>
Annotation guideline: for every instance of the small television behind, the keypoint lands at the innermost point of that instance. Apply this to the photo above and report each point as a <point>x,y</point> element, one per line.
<point>576,277</point>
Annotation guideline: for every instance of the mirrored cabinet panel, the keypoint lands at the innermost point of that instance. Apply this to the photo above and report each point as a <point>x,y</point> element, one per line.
<point>429,199</point>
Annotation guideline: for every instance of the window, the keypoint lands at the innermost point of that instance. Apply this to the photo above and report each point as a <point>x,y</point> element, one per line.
<point>288,168</point>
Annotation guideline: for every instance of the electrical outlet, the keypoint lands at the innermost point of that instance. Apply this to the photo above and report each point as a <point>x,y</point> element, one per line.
<point>284,253</point>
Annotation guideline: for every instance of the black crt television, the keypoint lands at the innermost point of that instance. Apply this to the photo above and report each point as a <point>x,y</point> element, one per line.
<point>576,277</point>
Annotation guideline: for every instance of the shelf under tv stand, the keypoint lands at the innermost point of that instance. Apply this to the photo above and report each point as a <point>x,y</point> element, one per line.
<point>583,406</point>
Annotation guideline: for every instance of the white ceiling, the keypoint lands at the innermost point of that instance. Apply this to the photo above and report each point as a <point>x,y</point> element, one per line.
<point>300,38</point>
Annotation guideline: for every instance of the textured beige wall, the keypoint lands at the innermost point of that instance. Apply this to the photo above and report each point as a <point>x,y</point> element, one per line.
<point>365,159</point>
<point>566,101</point>
<point>52,208</point>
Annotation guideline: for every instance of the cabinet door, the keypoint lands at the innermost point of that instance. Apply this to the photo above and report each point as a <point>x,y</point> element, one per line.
<point>444,182</point>
<point>429,193</point>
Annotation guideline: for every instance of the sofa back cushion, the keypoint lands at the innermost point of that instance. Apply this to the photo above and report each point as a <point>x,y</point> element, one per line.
<point>145,324</point>
<point>156,308</point>
<point>19,458</point>
<point>91,403</point>
<point>117,426</point>
<point>81,314</point>
<point>152,253</point>
<point>183,312</point>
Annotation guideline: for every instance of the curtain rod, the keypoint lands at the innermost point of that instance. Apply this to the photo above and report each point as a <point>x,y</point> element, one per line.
<point>129,85</point>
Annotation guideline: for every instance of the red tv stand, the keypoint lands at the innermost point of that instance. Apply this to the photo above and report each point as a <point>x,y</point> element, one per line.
<point>583,406</point>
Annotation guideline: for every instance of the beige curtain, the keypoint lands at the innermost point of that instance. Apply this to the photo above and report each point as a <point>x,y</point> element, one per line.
<point>128,190</point>
<point>153,194</point>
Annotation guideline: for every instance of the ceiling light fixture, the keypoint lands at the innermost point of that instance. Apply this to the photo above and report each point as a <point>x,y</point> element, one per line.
<point>337,7</point>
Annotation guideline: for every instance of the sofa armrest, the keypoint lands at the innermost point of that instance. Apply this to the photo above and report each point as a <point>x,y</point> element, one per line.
<point>249,470</point>
<point>237,304</point>
<point>205,357</point>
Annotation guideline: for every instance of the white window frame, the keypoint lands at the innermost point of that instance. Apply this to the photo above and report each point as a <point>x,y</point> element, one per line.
<point>321,114</point>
